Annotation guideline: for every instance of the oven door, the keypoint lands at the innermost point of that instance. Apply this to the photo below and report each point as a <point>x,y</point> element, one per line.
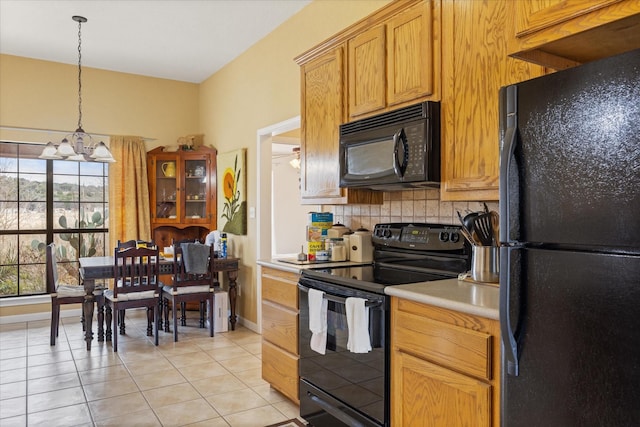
<point>341,388</point>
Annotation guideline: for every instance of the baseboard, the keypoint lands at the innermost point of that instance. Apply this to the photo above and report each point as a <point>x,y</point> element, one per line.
<point>43,315</point>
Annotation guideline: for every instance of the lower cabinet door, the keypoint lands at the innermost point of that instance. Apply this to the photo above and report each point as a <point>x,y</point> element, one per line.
<point>280,369</point>
<point>425,394</point>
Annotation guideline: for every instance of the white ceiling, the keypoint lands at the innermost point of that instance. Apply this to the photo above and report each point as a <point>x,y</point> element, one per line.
<point>185,40</point>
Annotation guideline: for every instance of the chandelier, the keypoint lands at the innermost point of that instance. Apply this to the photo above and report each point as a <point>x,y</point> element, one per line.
<point>78,146</point>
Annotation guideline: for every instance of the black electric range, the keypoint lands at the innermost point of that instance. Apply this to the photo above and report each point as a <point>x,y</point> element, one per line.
<point>340,387</point>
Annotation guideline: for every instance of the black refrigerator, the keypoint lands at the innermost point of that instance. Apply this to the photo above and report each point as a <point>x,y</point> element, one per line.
<point>570,246</point>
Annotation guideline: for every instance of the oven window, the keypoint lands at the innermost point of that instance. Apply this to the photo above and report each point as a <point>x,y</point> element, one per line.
<point>357,379</point>
<point>370,158</point>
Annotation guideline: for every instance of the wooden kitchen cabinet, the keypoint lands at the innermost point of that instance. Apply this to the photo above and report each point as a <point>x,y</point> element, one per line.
<point>475,64</point>
<point>182,193</point>
<point>322,112</point>
<point>280,331</point>
<point>564,33</point>
<point>445,367</point>
<point>392,63</point>
<point>348,74</point>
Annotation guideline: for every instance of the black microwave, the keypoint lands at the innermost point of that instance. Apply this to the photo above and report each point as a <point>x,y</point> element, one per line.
<point>394,150</point>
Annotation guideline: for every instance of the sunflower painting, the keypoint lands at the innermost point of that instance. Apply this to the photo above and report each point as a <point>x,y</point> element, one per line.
<point>232,192</point>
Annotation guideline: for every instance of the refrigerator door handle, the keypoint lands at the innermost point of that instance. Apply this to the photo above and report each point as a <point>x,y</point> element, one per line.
<point>509,111</point>
<point>509,342</point>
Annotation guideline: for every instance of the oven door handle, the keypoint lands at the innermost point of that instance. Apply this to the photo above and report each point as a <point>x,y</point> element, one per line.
<point>340,300</point>
<point>350,421</point>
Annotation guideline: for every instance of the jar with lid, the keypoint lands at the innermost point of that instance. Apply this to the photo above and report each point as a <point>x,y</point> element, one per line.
<point>338,249</point>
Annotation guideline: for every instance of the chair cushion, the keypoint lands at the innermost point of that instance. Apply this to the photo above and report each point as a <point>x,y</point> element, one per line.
<point>188,289</point>
<point>69,291</point>
<point>129,296</point>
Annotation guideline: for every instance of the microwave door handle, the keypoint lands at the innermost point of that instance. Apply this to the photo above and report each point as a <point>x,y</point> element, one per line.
<point>399,142</point>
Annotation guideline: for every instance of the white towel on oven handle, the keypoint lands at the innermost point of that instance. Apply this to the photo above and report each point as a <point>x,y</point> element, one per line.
<point>358,324</point>
<point>318,321</point>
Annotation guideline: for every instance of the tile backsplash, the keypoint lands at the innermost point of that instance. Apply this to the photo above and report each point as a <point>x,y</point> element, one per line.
<point>422,205</point>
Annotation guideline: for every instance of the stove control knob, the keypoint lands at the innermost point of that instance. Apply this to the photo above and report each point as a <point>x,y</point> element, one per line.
<point>455,237</point>
<point>444,236</point>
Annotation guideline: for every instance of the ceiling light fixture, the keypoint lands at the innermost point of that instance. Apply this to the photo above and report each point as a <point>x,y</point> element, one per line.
<point>78,146</point>
<point>295,162</point>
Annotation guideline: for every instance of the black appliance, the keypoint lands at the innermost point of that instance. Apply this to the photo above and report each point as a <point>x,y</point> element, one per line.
<point>341,388</point>
<point>570,256</point>
<point>392,150</point>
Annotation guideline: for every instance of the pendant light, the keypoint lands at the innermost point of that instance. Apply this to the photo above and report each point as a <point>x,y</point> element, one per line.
<point>78,146</point>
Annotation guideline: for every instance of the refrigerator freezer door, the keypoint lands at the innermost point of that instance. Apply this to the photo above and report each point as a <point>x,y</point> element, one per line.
<point>579,340</point>
<point>577,157</point>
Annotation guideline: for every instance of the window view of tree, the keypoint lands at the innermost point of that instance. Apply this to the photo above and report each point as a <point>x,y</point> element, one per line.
<point>43,201</point>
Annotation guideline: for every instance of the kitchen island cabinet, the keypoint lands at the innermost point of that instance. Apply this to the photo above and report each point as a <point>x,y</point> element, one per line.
<point>445,366</point>
<point>564,33</point>
<point>475,64</point>
<point>280,331</point>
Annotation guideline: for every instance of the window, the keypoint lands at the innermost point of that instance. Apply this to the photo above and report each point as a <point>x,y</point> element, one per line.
<point>43,201</point>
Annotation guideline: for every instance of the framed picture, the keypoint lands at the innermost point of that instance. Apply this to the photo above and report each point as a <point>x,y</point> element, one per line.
<point>232,192</point>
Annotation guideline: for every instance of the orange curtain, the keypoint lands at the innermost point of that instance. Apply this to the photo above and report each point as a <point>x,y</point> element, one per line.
<point>129,216</point>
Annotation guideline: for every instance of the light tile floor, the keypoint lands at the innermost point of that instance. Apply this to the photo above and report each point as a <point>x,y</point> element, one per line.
<point>198,381</point>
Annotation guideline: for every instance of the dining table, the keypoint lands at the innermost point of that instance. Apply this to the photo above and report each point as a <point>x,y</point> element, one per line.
<point>101,268</point>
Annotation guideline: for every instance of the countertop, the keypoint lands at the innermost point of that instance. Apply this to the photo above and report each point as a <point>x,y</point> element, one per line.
<point>297,268</point>
<point>460,295</point>
<point>453,294</point>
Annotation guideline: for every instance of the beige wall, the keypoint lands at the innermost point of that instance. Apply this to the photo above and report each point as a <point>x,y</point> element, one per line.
<point>38,94</point>
<point>261,88</point>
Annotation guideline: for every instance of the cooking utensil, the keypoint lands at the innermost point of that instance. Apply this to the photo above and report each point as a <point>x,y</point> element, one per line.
<point>465,231</point>
<point>495,225</point>
<point>482,227</point>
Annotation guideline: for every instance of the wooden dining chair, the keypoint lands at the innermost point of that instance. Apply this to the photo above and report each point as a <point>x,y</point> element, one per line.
<point>61,293</point>
<point>136,285</point>
<point>193,280</point>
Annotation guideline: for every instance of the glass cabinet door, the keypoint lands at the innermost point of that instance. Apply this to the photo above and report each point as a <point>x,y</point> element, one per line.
<point>195,189</point>
<point>166,189</point>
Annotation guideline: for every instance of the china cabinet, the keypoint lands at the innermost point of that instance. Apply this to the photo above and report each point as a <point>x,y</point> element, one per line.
<point>182,192</point>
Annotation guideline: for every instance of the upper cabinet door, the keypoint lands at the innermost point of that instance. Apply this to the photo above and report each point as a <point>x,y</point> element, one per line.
<point>410,55</point>
<point>564,33</point>
<point>475,66</point>
<point>392,63</point>
<point>367,72</point>
<point>322,113</point>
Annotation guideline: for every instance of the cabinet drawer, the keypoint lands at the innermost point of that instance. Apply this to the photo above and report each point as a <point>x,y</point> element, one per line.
<point>280,369</point>
<point>457,348</point>
<point>280,326</point>
<point>280,287</point>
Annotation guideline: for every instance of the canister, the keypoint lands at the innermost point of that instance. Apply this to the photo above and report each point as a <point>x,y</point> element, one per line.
<point>338,250</point>
<point>361,246</point>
